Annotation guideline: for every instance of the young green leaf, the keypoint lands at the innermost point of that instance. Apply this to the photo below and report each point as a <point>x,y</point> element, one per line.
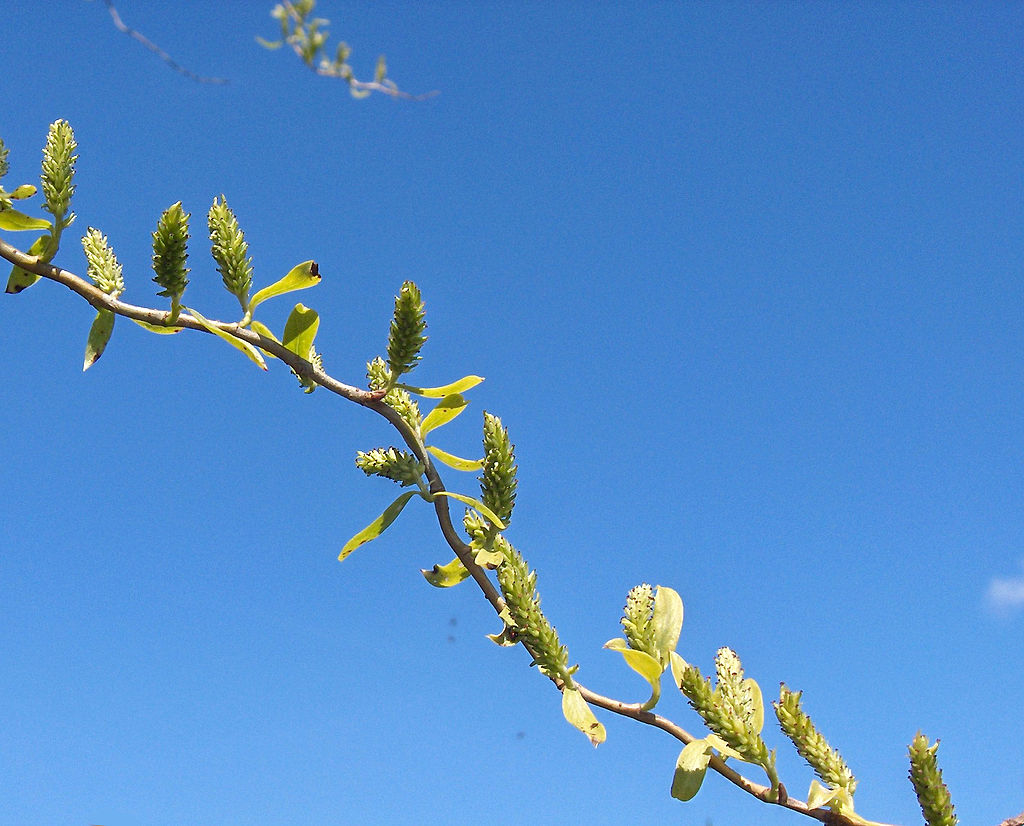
<point>445,576</point>
<point>460,386</point>
<point>474,503</point>
<point>300,277</point>
<point>300,330</point>
<point>447,409</point>
<point>643,664</point>
<point>580,715</point>
<point>14,221</point>
<point>237,343</point>
<point>819,796</point>
<point>691,766</point>
<point>455,461</point>
<point>667,620</point>
<point>378,525</point>
<point>157,328</point>
<point>263,330</point>
<point>23,279</point>
<point>487,558</point>
<point>99,335</point>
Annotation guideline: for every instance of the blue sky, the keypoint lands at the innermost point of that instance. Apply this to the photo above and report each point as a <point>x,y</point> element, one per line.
<point>745,283</point>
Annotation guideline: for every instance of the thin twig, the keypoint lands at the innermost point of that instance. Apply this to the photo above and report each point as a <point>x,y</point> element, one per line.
<point>149,44</point>
<point>372,400</point>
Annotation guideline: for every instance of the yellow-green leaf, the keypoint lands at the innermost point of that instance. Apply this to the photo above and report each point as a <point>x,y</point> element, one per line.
<point>819,795</point>
<point>14,221</point>
<point>667,620</point>
<point>447,409</point>
<point>580,715</point>
<point>488,559</point>
<point>691,766</point>
<point>460,386</point>
<point>678,667</point>
<point>455,461</point>
<point>750,686</point>
<point>474,503</point>
<point>300,277</point>
<point>159,329</point>
<point>378,525</point>
<point>99,335</point>
<point>237,343</point>
<point>262,329</point>
<point>445,576</point>
<point>643,664</point>
<point>22,279</point>
<point>300,330</point>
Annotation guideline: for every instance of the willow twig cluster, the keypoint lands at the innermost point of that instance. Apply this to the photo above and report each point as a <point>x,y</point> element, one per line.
<point>732,708</point>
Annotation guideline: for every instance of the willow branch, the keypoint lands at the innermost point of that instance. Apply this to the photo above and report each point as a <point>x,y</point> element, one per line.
<point>149,44</point>
<point>372,400</point>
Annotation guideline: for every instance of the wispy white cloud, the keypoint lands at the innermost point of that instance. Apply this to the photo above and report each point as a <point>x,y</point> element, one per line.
<point>1006,596</point>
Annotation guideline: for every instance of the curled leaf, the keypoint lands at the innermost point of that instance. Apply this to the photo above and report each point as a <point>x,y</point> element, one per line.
<point>300,277</point>
<point>300,330</point>
<point>580,715</point>
<point>445,576</point>
<point>643,664</point>
<point>691,766</point>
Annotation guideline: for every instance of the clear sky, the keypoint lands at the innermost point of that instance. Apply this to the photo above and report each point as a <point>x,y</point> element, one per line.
<point>745,281</point>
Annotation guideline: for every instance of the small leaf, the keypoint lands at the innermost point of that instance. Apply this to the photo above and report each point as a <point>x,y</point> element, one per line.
<point>580,715</point>
<point>678,667</point>
<point>99,335</point>
<point>474,503</point>
<point>300,277</point>
<point>723,748</point>
<point>378,525</point>
<point>300,330</point>
<point>263,330</point>
<point>21,279</point>
<point>159,329</point>
<point>445,576</point>
<point>640,661</point>
<point>14,221</point>
<point>455,461</point>
<point>460,386</point>
<point>643,664</point>
<point>507,638</point>
<point>750,686</point>
<point>691,766</point>
<point>667,619</point>
<point>488,558</point>
<point>819,795</point>
<point>270,44</point>
<point>237,343</point>
<point>447,409</point>
<point>22,192</point>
